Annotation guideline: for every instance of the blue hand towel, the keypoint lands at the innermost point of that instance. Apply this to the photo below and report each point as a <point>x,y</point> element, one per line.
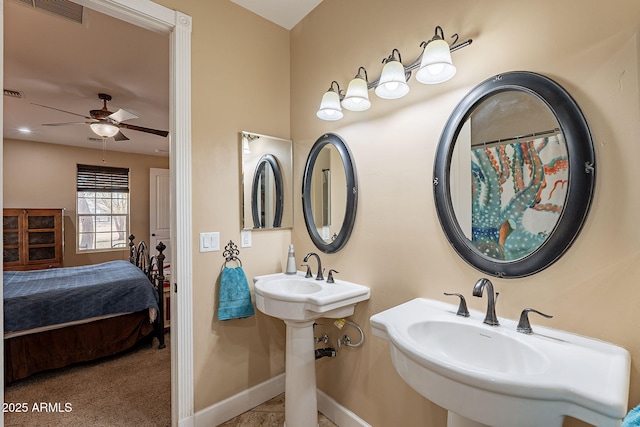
<point>633,418</point>
<point>235,295</point>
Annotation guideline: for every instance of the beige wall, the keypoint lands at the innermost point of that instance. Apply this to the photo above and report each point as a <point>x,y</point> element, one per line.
<point>397,247</point>
<point>39,175</point>
<point>249,74</point>
<point>240,82</point>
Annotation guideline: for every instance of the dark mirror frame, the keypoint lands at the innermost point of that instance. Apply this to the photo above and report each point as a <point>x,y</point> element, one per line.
<point>582,173</point>
<point>352,193</point>
<point>267,159</point>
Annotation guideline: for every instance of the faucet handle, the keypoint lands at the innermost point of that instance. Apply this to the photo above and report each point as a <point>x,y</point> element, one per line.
<point>308,270</point>
<point>462,308</point>
<point>330,276</point>
<point>523,325</point>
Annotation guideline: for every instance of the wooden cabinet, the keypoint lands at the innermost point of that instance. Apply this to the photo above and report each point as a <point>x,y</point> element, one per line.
<point>33,239</point>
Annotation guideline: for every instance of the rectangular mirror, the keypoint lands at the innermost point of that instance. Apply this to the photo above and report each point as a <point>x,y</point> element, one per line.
<point>266,182</point>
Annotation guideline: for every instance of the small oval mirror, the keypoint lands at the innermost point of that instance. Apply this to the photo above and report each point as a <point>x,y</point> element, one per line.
<point>329,193</point>
<point>514,174</point>
<point>267,200</point>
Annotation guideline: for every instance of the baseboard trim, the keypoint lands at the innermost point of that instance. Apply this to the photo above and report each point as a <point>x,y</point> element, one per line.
<point>187,422</point>
<point>240,403</point>
<point>337,413</point>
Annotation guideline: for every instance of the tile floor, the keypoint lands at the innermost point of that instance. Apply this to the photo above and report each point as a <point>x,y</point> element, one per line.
<point>269,414</point>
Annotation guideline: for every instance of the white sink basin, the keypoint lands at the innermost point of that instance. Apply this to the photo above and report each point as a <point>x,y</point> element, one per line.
<point>289,288</point>
<point>296,298</point>
<point>472,348</point>
<point>499,377</point>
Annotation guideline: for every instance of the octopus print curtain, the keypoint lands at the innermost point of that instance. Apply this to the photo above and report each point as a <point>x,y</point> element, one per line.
<point>518,192</point>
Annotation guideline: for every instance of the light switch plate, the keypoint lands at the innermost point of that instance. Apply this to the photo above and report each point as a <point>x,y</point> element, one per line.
<point>209,242</point>
<point>245,238</point>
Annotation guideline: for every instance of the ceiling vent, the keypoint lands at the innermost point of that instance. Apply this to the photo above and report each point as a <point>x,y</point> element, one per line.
<point>63,8</point>
<point>13,93</point>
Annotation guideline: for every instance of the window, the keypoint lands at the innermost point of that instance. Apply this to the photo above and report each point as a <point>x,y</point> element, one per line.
<point>103,208</point>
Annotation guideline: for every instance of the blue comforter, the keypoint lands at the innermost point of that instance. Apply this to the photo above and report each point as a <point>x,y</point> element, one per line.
<point>49,297</point>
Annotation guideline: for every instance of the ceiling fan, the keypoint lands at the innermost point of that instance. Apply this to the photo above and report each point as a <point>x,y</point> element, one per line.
<point>106,124</point>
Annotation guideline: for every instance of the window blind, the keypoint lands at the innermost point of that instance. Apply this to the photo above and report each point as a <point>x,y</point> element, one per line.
<point>103,179</point>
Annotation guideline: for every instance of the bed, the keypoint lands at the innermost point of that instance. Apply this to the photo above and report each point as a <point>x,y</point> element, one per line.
<point>61,316</point>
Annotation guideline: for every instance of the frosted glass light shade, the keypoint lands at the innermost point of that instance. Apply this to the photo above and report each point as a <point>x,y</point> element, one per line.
<point>330,107</point>
<point>393,83</point>
<point>436,65</point>
<point>105,130</point>
<point>357,97</point>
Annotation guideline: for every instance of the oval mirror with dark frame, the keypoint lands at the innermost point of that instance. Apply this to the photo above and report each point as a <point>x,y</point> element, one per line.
<point>329,193</point>
<point>514,174</point>
<point>266,180</point>
<point>267,202</point>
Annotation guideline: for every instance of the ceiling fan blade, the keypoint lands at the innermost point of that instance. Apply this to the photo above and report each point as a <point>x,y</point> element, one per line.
<point>143,129</point>
<point>64,111</point>
<point>67,123</point>
<point>122,115</point>
<point>120,137</point>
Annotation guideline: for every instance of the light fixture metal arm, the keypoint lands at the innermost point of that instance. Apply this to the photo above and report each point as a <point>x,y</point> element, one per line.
<point>339,91</point>
<point>366,76</point>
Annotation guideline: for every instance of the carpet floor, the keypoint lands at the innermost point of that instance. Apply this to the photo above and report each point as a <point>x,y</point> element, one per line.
<point>131,389</point>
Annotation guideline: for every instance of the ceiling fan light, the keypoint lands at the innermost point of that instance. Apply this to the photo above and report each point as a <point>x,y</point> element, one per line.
<point>105,130</point>
<point>436,65</point>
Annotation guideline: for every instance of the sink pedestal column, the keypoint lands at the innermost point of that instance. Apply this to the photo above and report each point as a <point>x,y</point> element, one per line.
<point>301,405</point>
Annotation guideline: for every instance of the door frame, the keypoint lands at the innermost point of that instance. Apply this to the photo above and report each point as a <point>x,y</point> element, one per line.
<point>177,26</point>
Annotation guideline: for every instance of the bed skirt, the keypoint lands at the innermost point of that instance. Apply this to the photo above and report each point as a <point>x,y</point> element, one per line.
<point>42,351</point>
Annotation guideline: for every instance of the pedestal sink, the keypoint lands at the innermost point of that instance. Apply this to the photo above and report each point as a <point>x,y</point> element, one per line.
<point>495,376</point>
<point>299,301</point>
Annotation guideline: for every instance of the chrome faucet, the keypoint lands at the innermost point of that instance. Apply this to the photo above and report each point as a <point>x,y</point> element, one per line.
<point>490,318</point>
<point>319,276</point>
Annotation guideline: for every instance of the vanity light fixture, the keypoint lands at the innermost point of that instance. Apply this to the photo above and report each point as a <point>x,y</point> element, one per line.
<point>104,129</point>
<point>434,65</point>
<point>330,106</point>
<point>246,140</point>
<point>393,81</point>
<point>357,97</point>
<point>245,145</point>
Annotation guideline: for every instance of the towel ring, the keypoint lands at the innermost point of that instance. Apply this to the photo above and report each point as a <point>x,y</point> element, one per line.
<point>230,253</point>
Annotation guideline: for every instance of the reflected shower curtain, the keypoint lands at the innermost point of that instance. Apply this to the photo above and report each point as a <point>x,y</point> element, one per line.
<point>518,192</point>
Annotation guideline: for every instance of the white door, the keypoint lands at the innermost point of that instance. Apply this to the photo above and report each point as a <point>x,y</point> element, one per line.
<point>159,218</point>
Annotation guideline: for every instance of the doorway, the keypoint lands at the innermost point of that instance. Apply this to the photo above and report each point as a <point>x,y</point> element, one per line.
<point>178,27</point>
